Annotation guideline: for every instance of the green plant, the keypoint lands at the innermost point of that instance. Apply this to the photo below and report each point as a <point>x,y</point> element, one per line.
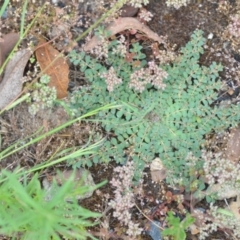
<point>26,213</point>
<point>4,6</point>
<point>169,123</point>
<point>42,96</point>
<point>177,227</point>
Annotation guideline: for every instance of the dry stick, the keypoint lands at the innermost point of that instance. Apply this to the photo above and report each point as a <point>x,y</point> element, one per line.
<point>9,41</point>
<point>44,44</point>
<point>147,217</point>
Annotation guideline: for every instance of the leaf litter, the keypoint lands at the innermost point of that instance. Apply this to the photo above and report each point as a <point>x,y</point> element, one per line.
<point>54,66</point>
<point>7,43</point>
<point>11,85</point>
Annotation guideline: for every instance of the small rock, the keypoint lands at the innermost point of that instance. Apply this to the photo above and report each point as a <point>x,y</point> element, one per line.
<point>155,231</point>
<point>210,36</point>
<point>128,11</point>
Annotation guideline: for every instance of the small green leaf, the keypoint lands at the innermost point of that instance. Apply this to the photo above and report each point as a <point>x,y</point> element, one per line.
<point>114,141</point>
<point>225,212</point>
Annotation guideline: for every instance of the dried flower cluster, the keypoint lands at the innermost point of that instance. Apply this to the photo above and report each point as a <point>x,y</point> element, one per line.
<point>234,27</point>
<point>177,3</point>
<point>101,50</point>
<point>165,56</point>
<point>120,48</point>
<point>220,170</point>
<point>152,75</point>
<point>207,227</point>
<point>214,220</point>
<point>232,68</point>
<point>124,198</point>
<point>111,79</point>
<point>145,15</point>
<point>138,3</point>
<point>223,220</point>
<point>42,96</point>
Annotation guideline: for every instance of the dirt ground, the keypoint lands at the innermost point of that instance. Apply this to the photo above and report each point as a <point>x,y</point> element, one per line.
<point>210,16</point>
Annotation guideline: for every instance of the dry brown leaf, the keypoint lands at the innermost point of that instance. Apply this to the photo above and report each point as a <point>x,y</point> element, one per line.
<point>11,86</point>
<point>158,171</point>
<point>233,146</point>
<point>194,229</point>
<point>235,206</point>
<point>120,25</point>
<point>58,69</point>
<point>7,43</point>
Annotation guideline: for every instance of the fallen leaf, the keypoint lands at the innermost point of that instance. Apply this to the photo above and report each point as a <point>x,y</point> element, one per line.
<point>233,146</point>
<point>7,43</point>
<point>58,69</point>
<point>11,85</point>
<point>235,206</point>
<point>194,229</point>
<point>158,171</point>
<point>120,25</point>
